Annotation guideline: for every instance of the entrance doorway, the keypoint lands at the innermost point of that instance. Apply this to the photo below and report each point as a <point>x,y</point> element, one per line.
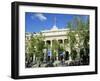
<point>66,55</point>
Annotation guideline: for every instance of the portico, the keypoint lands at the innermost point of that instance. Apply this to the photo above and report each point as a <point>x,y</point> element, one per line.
<point>60,36</point>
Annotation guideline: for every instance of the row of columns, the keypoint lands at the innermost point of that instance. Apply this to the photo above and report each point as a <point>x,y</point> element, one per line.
<point>61,41</point>
<point>45,56</point>
<point>57,56</point>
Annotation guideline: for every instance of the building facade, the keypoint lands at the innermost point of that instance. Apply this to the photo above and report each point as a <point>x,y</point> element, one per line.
<point>54,33</point>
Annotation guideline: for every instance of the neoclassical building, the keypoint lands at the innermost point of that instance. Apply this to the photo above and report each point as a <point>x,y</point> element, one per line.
<point>54,33</point>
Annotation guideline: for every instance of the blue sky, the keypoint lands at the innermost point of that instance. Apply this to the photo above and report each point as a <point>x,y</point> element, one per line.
<point>35,22</point>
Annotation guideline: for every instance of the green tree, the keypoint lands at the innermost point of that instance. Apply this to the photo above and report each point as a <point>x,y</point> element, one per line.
<point>36,46</point>
<point>55,46</point>
<point>82,32</point>
<point>31,46</point>
<point>39,46</point>
<point>73,54</point>
<point>78,35</point>
<point>71,36</point>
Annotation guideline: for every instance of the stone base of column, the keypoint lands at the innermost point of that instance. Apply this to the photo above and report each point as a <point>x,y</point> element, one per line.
<point>70,59</point>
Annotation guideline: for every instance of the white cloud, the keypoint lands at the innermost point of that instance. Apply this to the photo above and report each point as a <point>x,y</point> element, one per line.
<point>40,16</point>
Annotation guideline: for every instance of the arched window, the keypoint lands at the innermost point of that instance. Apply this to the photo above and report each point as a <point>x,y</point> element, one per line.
<point>48,42</point>
<point>60,41</point>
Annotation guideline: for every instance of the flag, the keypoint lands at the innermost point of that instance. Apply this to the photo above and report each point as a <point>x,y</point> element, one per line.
<point>49,52</point>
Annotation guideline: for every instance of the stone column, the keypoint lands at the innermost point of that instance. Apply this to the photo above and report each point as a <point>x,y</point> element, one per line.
<point>63,41</point>
<point>44,59</point>
<point>78,53</point>
<point>50,49</point>
<point>70,59</point>
<point>57,56</point>
<point>51,42</point>
<point>33,58</point>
